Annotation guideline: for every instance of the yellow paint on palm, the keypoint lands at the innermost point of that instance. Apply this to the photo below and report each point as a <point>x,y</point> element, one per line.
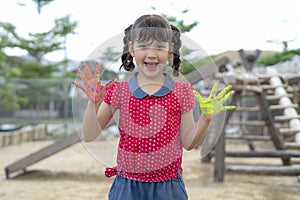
<point>214,103</point>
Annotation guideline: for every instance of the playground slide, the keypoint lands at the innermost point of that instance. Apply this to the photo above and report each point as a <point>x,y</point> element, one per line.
<point>45,152</point>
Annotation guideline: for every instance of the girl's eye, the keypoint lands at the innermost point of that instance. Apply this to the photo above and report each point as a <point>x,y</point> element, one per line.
<point>161,47</point>
<point>142,47</point>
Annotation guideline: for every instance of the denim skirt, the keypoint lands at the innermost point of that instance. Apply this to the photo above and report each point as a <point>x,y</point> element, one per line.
<point>127,189</point>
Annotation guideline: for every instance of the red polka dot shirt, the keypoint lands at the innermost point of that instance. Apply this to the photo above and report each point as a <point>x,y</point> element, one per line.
<point>150,147</point>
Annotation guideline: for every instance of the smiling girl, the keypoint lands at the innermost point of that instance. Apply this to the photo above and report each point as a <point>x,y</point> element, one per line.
<point>156,113</point>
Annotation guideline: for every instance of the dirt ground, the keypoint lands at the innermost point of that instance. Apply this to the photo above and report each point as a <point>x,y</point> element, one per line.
<point>73,174</point>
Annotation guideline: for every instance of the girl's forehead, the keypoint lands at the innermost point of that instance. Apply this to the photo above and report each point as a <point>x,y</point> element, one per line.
<point>151,34</point>
<point>151,42</point>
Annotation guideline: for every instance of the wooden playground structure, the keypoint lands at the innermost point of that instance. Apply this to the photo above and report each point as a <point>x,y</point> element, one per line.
<point>273,110</point>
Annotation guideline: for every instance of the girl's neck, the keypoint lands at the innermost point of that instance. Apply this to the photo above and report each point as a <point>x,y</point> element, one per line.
<point>144,79</point>
<point>150,84</point>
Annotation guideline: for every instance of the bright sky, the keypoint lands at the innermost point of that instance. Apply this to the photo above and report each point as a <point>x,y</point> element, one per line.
<point>223,25</point>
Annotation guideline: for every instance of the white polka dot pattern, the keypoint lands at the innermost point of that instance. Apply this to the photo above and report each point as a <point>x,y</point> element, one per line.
<point>150,147</point>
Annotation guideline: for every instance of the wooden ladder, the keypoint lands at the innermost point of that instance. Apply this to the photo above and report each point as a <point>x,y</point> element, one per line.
<point>268,121</point>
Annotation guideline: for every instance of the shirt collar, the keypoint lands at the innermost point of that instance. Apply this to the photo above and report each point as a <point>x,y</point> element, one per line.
<point>137,92</point>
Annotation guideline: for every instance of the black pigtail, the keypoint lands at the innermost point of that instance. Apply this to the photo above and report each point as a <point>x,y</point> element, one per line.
<point>126,58</point>
<point>176,54</point>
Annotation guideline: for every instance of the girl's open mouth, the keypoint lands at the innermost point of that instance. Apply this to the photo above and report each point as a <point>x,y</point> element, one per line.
<point>150,65</point>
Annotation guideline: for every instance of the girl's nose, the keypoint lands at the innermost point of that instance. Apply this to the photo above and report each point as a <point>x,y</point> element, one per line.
<point>151,53</point>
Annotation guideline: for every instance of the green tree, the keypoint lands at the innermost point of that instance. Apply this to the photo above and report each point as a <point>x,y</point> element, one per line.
<point>41,3</point>
<point>180,24</point>
<point>184,28</point>
<point>109,56</point>
<point>8,98</point>
<point>37,45</point>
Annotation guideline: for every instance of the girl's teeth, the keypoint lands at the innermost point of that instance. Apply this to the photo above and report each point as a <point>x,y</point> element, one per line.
<point>150,64</point>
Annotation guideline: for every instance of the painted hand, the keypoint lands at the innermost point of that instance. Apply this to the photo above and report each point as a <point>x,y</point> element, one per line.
<point>214,104</point>
<point>92,87</point>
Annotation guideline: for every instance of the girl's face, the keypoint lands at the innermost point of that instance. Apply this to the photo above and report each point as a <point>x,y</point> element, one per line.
<point>150,57</point>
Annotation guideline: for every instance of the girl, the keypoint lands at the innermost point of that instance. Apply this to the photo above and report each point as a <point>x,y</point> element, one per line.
<point>156,113</point>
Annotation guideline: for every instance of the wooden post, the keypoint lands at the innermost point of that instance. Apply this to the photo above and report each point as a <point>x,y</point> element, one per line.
<point>219,169</point>
<point>249,60</point>
<point>276,138</point>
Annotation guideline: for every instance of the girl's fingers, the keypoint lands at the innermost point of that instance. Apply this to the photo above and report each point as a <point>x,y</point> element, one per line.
<point>227,96</point>
<point>78,85</point>
<point>82,76</point>
<point>229,107</point>
<point>224,91</point>
<point>198,96</point>
<point>110,83</point>
<point>87,71</point>
<point>214,89</point>
<point>97,72</point>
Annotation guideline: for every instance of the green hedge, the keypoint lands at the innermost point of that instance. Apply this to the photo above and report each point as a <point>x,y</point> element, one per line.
<point>277,57</point>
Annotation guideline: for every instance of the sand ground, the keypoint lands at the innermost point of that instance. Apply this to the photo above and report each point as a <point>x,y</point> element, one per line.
<point>73,174</point>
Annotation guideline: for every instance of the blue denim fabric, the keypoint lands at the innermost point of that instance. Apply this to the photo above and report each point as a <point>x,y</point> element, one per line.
<point>127,189</point>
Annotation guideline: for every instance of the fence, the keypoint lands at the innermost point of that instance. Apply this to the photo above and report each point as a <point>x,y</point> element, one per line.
<point>35,98</point>
<point>26,133</point>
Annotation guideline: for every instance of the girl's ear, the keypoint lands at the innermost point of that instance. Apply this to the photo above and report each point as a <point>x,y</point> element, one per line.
<point>130,49</point>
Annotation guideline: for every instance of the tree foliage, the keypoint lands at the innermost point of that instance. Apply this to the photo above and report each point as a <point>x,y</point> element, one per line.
<point>37,45</point>
<point>41,3</point>
<point>180,24</point>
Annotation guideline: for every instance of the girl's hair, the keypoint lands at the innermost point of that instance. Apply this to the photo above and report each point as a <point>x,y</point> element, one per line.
<point>150,28</point>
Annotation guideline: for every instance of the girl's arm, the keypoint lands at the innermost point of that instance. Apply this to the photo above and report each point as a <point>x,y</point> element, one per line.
<point>98,113</point>
<point>192,133</point>
<point>95,119</point>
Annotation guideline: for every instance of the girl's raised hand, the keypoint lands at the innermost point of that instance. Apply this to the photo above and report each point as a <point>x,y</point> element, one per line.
<point>92,86</point>
<point>214,104</point>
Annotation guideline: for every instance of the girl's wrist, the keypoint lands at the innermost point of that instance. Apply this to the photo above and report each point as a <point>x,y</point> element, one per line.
<point>207,118</point>
<point>95,104</point>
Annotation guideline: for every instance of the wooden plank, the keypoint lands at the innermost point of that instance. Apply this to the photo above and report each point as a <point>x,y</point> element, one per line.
<point>283,118</point>
<point>253,88</point>
<point>266,76</point>
<point>265,154</point>
<point>293,80</point>
<point>261,154</point>
<point>42,154</point>
<point>295,161</point>
<point>272,87</point>
<point>281,107</point>
<point>247,123</point>
<point>264,169</point>
<point>292,145</point>
<point>248,109</point>
<point>289,131</point>
<point>249,137</point>
<point>277,97</point>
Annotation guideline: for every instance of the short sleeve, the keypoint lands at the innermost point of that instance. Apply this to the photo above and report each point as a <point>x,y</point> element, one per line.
<point>187,98</point>
<point>112,96</point>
